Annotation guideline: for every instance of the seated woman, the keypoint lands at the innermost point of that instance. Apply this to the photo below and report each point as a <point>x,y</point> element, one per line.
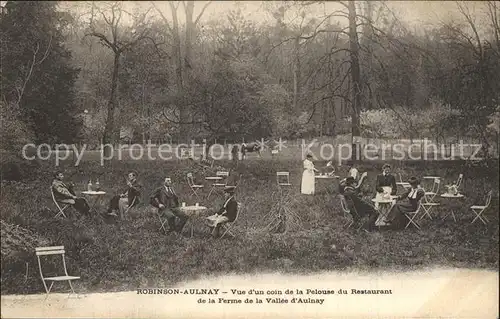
<point>361,207</point>
<point>226,214</point>
<point>407,202</point>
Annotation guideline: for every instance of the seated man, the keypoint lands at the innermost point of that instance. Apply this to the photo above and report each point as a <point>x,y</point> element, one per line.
<point>130,196</point>
<point>226,214</point>
<point>165,199</point>
<point>407,202</point>
<point>64,193</point>
<point>352,171</point>
<point>363,208</point>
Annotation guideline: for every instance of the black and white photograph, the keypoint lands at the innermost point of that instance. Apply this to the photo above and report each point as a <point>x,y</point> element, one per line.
<point>249,159</point>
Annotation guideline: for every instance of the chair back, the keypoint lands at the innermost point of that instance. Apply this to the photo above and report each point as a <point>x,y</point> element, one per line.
<point>343,203</point>
<point>52,250</point>
<point>238,211</point>
<point>190,179</point>
<point>400,178</point>
<point>283,176</point>
<point>459,180</point>
<point>488,198</point>
<point>436,185</point>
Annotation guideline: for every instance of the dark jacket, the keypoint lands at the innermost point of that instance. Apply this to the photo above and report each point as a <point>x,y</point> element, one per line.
<point>133,192</point>
<point>413,202</point>
<point>384,181</point>
<point>229,209</point>
<point>362,207</point>
<point>61,190</point>
<point>161,196</point>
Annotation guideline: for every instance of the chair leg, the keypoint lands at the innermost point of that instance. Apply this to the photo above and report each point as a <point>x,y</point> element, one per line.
<point>48,291</point>
<point>478,216</point>
<point>71,286</point>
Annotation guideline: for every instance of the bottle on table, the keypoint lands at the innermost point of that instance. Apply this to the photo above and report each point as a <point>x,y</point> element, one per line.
<point>89,186</point>
<point>97,185</point>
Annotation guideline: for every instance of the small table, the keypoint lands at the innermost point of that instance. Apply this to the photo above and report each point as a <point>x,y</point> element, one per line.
<point>96,195</point>
<point>385,206</point>
<point>192,211</point>
<point>452,196</point>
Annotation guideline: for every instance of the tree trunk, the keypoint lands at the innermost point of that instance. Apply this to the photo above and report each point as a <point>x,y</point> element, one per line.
<point>109,128</point>
<point>188,60</point>
<point>296,75</point>
<point>355,76</point>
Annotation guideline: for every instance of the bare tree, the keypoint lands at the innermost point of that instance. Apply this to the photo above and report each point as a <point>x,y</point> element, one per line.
<point>110,33</point>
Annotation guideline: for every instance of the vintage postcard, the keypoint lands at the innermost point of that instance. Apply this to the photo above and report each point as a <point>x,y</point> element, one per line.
<point>249,159</point>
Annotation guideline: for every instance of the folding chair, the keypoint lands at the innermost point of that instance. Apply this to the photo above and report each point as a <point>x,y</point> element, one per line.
<point>194,187</point>
<point>162,220</point>
<point>60,210</point>
<point>348,214</point>
<point>479,209</point>
<point>429,197</point>
<point>128,208</point>
<point>228,226</point>
<point>53,250</point>
<point>412,216</point>
<point>219,184</point>
<point>283,178</point>
<point>405,185</point>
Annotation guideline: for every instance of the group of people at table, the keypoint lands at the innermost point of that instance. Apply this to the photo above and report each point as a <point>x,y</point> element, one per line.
<point>385,187</point>
<point>163,198</point>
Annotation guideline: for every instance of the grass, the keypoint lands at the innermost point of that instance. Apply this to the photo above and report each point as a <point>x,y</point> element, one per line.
<point>112,256</point>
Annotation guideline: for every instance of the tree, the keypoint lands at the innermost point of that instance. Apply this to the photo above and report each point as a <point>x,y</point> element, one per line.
<point>118,38</point>
<point>37,78</point>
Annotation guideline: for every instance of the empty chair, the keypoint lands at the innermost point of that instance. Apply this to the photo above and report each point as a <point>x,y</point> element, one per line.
<point>194,187</point>
<point>479,210</point>
<point>401,183</point>
<point>53,250</point>
<point>283,178</point>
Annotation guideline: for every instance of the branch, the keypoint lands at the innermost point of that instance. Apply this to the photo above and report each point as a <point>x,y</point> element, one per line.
<point>104,40</point>
<point>165,20</point>
<point>201,13</point>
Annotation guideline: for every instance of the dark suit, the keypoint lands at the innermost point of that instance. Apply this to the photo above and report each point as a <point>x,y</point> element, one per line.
<point>169,199</point>
<point>133,196</point>
<point>360,206</point>
<point>407,202</point>
<point>230,209</point>
<point>63,193</point>
<point>386,181</point>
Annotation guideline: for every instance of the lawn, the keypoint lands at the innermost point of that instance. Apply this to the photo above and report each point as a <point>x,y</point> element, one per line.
<point>114,256</point>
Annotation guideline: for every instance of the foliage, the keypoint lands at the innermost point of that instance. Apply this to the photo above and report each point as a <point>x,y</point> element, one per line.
<point>37,78</point>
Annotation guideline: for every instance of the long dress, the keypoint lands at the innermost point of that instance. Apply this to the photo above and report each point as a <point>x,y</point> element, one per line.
<point>308,180</point>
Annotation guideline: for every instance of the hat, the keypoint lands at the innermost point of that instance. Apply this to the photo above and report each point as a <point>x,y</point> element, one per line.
<point>229,189</point>
<point>309,156</point>
<point>413,181</point>
<point>134,172</point>
<point>386,166</point>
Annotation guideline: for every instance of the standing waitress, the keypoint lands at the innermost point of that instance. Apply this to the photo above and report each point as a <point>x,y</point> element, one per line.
<point>308,179</point>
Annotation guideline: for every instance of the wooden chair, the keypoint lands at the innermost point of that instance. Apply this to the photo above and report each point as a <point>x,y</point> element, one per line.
<point>405,185</point>
<point>194,187</point>
<point>478,210</point>
<point>59,209</point>
<point>53,250</point>
<point>429,203</point>
<point>221,183</point>
<point>283,178</point>
<point>227,227</point>
<point>412,216</point>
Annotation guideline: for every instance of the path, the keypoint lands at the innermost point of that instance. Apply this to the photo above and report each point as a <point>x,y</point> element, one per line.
<point>437,293</point>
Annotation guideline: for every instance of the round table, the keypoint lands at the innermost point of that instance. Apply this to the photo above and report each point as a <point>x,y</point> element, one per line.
<point>384,206</point>
<point>452,196</point>
<point>95,195</point>
<point>192,211</point>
